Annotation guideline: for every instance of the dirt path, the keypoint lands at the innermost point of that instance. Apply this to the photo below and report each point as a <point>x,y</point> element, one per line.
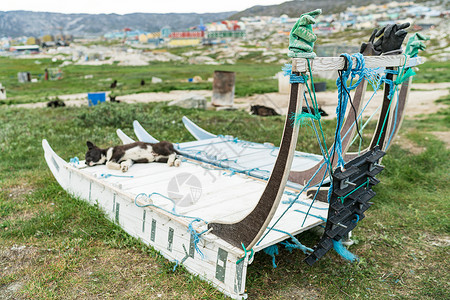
<point>421,100</point>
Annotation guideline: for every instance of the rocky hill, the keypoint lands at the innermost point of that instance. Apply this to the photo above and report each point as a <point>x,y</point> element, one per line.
<point>297,7</point>
<point>27,23</point>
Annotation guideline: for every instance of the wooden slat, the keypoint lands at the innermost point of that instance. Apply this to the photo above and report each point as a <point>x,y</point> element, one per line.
<point>337,63</point>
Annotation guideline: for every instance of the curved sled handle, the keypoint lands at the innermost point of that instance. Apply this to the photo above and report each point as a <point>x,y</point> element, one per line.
<point>123,137</point>
<point>250,229</point>
<point>197,132</point>
<point>142,134</point>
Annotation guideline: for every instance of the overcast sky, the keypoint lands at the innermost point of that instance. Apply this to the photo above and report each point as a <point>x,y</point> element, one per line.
<point>131,6</point>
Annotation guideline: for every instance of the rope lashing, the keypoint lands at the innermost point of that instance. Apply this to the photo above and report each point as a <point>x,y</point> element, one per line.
<point>159,207</point>
<point>191,229</point>
<point>303,203</point>
<point>196,236</point>
<point>107,175</point>
<point>293,78</point>
<point>296,245</point>
<point>310,214</point>
<point>364,184</point>
<point>344,93</point>
<point>245,254</point>
<point>74,160</point>
<point>150,196</point>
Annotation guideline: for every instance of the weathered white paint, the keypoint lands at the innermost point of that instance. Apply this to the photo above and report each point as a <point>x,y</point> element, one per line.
<point>224,197</point>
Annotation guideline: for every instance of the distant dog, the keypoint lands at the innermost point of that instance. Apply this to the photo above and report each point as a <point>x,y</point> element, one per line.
<point>56,103</point>
<point>263,111</point>
<point>113,99</point>
<point>321,111</point>
<point>114,84</point>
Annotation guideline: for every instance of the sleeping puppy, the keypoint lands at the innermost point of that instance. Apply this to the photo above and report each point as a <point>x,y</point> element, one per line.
<point>122,157</point>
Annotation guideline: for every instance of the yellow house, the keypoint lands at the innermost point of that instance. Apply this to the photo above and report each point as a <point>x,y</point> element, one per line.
<point>184,42</point>
<point>47,38</point>
<point>32,41</point>
<point>143,38</point>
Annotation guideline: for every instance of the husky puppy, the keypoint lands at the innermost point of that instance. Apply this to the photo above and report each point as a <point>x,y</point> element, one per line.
<point>122,157</point>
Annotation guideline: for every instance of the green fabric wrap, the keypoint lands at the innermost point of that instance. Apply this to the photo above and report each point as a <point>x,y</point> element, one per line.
<point>302,38</point>
<point>415,43</point>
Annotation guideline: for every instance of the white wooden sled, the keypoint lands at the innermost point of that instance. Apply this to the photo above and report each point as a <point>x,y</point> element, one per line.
<point>236,213</point>
<point>223,198</point>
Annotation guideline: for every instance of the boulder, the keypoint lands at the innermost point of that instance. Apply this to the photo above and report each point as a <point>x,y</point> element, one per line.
<point>190,101</point>
<point>156,80</point>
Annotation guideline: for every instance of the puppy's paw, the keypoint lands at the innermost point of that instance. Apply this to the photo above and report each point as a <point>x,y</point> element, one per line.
<point>177,162</point>
<point>170,163</point>
<point>112,165</point>
<point>124,167</point>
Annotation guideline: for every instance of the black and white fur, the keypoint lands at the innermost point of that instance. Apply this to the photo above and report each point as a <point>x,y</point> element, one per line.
<point>122,157</point>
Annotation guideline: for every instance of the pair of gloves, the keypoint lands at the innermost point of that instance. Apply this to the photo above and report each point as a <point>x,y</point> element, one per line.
<point>390,38</point>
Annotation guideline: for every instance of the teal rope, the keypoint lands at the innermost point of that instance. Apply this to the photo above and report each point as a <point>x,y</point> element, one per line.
<point>191,229</point>
<point>296,245</point>
<point>364,184</point>
<point>103,175</point>
<point>74,160</point>
<point>245,254</point>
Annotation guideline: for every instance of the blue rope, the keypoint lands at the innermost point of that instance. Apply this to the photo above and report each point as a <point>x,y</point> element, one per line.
<point>196,236</point>
<point>343,252</point>
<point>177,263</point>
<point>272,251</point>
<point>293,78</point>
<point>191,229</point>
<point>304,203</point>
<point>74,160</point>
<point>296,245</point>
<point>103,175</point>
<point>343,93</point>
<point>310,214</point>
<point>149,197</point>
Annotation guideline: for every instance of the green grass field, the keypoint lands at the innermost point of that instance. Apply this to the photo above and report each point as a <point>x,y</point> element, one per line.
<point>53,246</point>
<point>251,78</point>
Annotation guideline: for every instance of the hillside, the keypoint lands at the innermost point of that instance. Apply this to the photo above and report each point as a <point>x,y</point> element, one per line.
<point>19,23</point>
<point>297,7</point>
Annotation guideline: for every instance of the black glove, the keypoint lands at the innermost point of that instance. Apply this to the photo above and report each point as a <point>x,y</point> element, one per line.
<point>392,38</point>
<point>367,48</point>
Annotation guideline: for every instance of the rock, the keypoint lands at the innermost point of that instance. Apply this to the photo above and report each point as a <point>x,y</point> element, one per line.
<point>190,101</point>
<point>202,60</point>
<point>156,80</point>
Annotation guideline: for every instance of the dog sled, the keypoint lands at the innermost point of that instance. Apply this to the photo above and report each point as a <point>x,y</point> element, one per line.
<point>232,198</point>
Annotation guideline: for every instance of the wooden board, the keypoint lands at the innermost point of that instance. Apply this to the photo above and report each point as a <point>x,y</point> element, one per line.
<point>338,63</point>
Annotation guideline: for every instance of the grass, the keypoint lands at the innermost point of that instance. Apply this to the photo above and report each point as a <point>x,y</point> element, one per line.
<point>72,251</point>
<point>250,78</point>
